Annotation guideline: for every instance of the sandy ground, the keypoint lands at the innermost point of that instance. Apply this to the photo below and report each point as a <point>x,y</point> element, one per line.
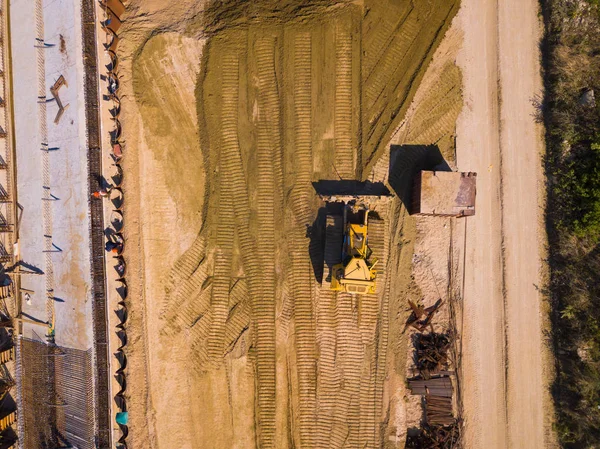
<point>226,131</point>
<point>429,128</point>
<point>223,141</point>
<point>503,365</point>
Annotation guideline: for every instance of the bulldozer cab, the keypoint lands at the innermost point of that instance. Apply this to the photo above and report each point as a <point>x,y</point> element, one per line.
<point>355,236</point>
<point>355,272</point>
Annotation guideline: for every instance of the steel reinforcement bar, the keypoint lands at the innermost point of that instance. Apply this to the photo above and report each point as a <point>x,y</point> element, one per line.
<point>99,299</point>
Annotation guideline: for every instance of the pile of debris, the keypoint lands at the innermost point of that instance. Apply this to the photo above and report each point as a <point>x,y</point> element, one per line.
<point>431,355</point>
<point>435,437</point>
<point>438,398</point>
<point>438,410</point>
<point>434,383</point>
<point>421,317</point>
<point>438,386</point>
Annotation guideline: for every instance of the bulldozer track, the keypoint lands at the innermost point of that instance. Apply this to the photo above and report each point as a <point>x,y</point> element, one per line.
<point>226,215</point>
<point>199,302</point>
<point>384,97</point>
<point>389,69</point>
<point>187,290</point>
<point>381,246</point>
<point>269,142</point>
<point>375,41</point>
<point>350,356</point>
<point>301,271</point>
<point>369,316</point>
<point>198,337</point>
<point>183,268</point>
<point>302,128</point>
<point>239,316</point>
<point>345,154</point>
<point>232,168</point>
<point>380,32</point>
<point>328,378</point>
<point>187,277</point>
<point>435,119</point>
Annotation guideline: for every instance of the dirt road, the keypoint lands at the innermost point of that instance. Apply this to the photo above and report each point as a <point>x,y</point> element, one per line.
<point>503,370</point>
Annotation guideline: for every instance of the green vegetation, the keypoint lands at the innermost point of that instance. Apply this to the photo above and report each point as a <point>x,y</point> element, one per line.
<point>571,57</point>
<point>577,192</point>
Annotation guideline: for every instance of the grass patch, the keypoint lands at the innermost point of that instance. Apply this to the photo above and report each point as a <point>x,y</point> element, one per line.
<point>571,57</point>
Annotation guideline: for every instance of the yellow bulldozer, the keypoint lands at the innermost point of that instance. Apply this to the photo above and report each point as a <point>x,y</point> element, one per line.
<point>347,251</point>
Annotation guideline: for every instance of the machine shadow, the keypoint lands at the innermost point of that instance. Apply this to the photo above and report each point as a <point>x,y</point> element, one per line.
<point>406,161</point>
<point>316,233</point>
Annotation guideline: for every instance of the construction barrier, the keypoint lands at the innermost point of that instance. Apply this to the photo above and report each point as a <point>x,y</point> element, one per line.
<point>6,291</point>
<point>111,23</point>
<point>7,421</point>
<point>100,306</point>
<point>8,355</point>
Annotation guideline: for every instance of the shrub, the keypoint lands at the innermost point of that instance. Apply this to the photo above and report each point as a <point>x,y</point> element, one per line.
<point>571,59</point>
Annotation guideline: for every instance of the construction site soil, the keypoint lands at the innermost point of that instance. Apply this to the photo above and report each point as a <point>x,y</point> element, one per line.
<point>230,112</point>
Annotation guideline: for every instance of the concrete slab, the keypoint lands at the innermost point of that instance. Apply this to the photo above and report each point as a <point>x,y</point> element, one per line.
<point>69,264</point>
<point>29,161</point>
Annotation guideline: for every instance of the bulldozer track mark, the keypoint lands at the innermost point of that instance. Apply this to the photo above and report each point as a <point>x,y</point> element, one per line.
<point>237,320</point>
<point>229,192</point>
<point>375,43</point>
<point>435,117</point>
<point>230,159</point>
<point>200,301</point>
<point>377,46</point>
<point>350,355</point>
<point>302,126</point>
<point>239,316</point>
<point>370,315</point>
<point>301,273</point>
<point>345,154</point>
<point>197,304</point>
<point>329,379</point>
<point>385,96</point>
<point>221,278</point>
<point>184,267</point>
<point>381,232</point>
<point>198,343</point>
<point>187,277</point>
<point>187,287</point>
<point>389,70</point>
<point>190,260</point>
<point>263,304</point>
